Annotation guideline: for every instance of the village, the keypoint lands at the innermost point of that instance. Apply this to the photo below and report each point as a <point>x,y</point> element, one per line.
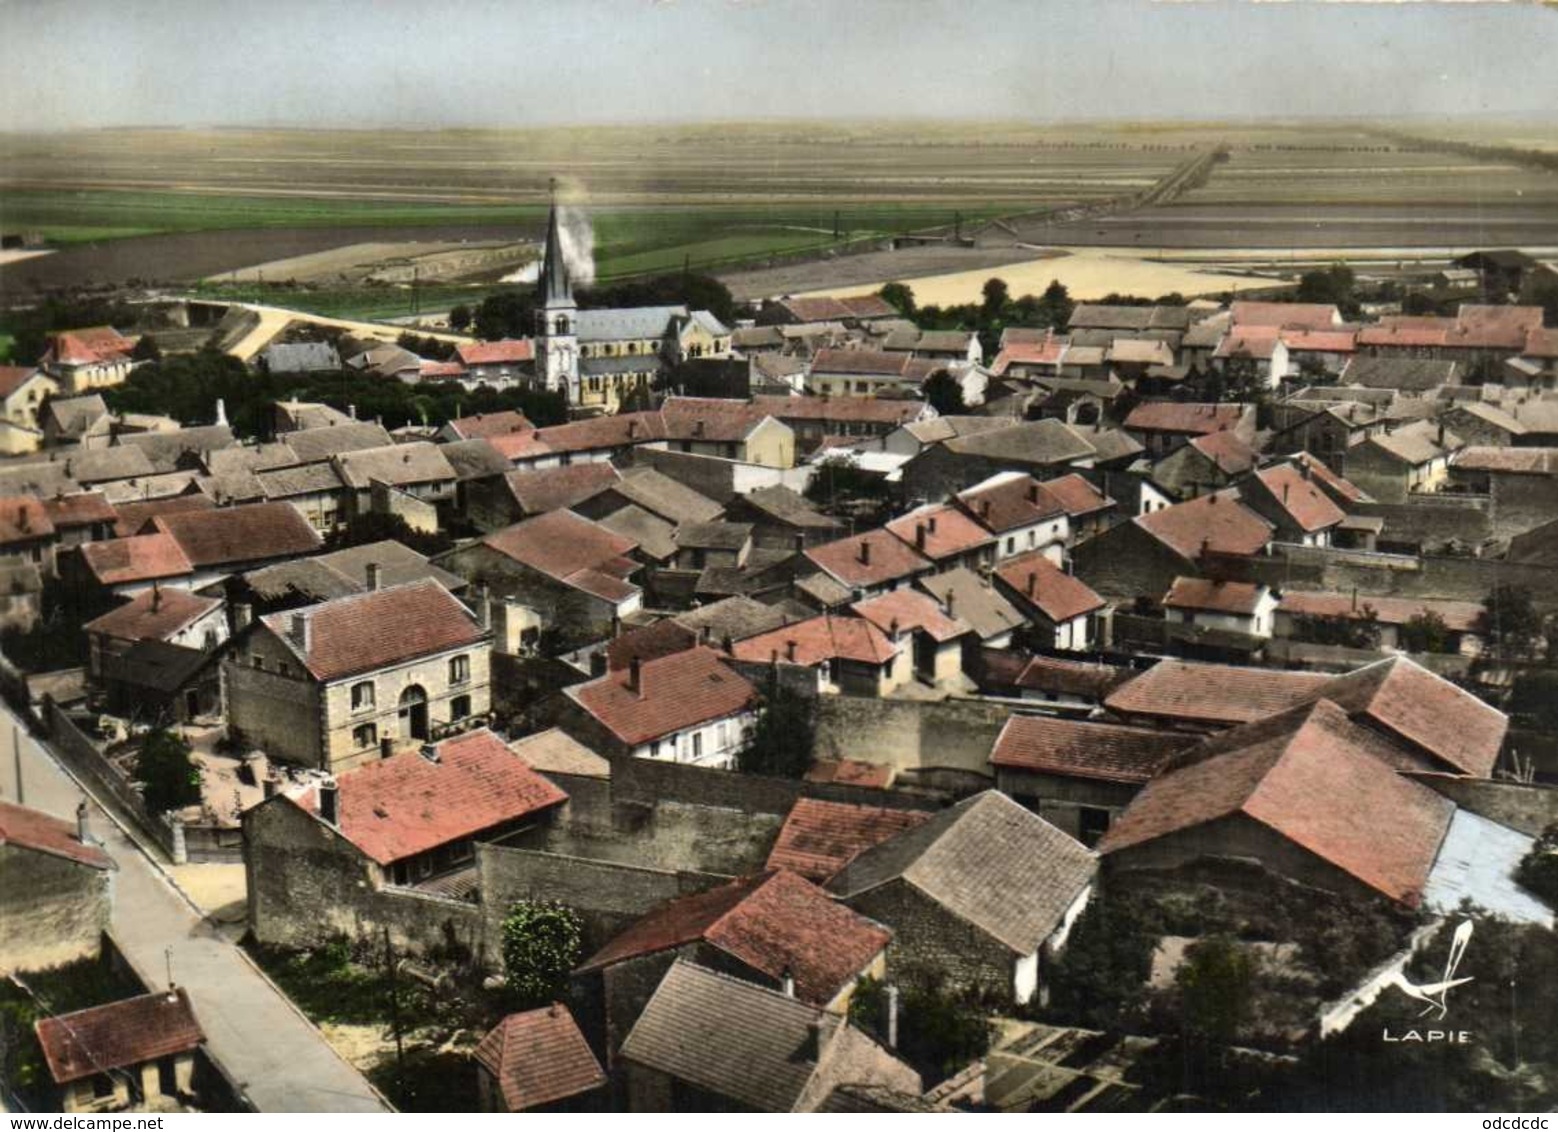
<point>1098,714</point>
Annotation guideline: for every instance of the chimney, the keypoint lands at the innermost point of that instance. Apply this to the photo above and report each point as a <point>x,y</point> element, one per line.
<point>919,536</point>
<point>243,613</point>
<point>21,517</point>
<point>951,598</point>
<point>892,1015</point>
<point>351,411</point>
<point>865,553</point>
<point>156,597</point>
<point>787,981</point>
<point>635,676</point>
<point>429,752</point>
<point>1441,434</point>
<point>329,802</point>
<point>893,629</point>
<point>930,524</point>
<point>984,508</point>
<point>373,572</point>
<point>789,651</point>
<point>268,786</point>
<point>83,824</point>
<point>1306,470</point>
<point>1284,495</point>
<point>1211,500</point>
<point>221,411</point>
<point>1355,599</point>
<point>300,632</point>
<point>1033,492</point>
<point>1033,581</point>
<point>632,427</point>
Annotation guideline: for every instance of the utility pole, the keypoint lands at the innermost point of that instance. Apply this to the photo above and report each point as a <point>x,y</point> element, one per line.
<point>16,755</point>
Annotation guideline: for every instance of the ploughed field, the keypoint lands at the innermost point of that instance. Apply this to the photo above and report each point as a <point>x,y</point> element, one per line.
<point>175,206</point>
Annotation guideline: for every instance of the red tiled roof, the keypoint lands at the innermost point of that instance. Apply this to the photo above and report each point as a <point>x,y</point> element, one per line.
<point>819,838</point>
<point>818,640</point>
<point>1257,343</point>
<point>13,378</point>
<point>1459,616</point>
<point>1342,487</point>
<point>1079,749</point>
<point>1310,508</point>
<point>674,692</point>
<point>139,558</point>
<point>1310,776</point>
<point>1216,596</point>
<point>519,445</point>
<point>247,533</point>
<point>1012,501</point>
<point>547,489</point>
<point>153,615</point>
<point>1073,677</point>
<point>1049,589</point>
<point>868,559</point>
<point>89,345</point>
<point>775,923</point>
<point>497,353</point>
<point>440,371</point>
<point>1429,712</point>
<point>1226,450</point>
<point>715,419</point>
<point>1313,316</point>
<point>80,509</point>
<point>851,772</point>
<point>118,1035</point>
<point>1217,523</point>
<point>484,426</point>
<point>1046,352</point>
<point>1189,418</point>
<point>864,410</point>
<point>33,829</point>
<point>911,609</point>
<point>946,531</point>
<point>1406,336</point>
<point>372,630</point>
<point>1077,495</point>
<point>869,306</point>
<point>539,1057</point>
<point>562,545</point>
<point>133,517</point>
<point>23,518</point>
<point>1213,693</point>
<point>874,363</point>
<point>816,308</point>
<point>406,804</point>
<point>1321,341</point>
<point>619,431</point>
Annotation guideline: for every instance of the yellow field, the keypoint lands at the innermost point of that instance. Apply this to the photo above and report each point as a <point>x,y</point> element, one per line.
<point>1087,273</point>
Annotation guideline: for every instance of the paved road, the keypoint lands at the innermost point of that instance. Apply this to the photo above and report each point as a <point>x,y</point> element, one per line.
<point>274,1054</point>
<point>273,320</point>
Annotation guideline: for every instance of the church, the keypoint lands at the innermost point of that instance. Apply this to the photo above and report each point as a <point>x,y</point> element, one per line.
<point>599,358</point>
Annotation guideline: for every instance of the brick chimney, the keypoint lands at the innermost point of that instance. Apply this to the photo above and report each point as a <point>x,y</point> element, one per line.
<point>636,677</point>
<point>1033,581</point>
<point>373,572</point>
<point>919,536</point>
<point>301,633</point>
<point>330,802</point>
<point>865,553</point>
<point>951,600</point>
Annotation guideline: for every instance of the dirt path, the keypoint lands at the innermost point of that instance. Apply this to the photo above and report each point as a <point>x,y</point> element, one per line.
<point>273,320</point>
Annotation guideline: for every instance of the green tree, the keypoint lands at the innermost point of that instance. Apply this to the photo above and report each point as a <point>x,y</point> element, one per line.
<point>1425,632</point>
<point>783,737</point>
<point>939,1031</point>
<point>169,777</point>
<point>1100,979</point>
<point>944,394</point>
<point>1216,985</point>
<point>460,317</point>
<point>541,942</point>
<point>1538,869</point>
<point>1353,632</point>
<point>996,296</point>
<point>1509,621</point>
<point>1055,305</point>
<point>146,349</point>
<point>900,296</point>
<point>1333,285</point>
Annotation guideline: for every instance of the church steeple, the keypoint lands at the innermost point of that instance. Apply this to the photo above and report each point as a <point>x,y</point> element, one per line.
<point>554,289</point>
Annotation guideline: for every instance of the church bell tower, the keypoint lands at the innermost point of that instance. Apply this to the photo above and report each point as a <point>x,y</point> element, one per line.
<point>557,343</point>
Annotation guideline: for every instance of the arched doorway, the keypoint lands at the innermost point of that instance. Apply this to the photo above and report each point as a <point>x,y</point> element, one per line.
<point>413,712</point>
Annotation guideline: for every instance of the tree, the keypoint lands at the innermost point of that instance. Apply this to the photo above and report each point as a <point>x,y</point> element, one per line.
<point>169,778</point>
<point>1100,979</point>
<point>1333,285</point>
<point>1055,305</point>
<point>1509,621</point>
<point>146,350</point>
<point>900,297</point>
<point>939,1031</point>
<point>460,317</point>
<point>1425,632</point>
<point>1216,985</point>
<point>541,941</point>
<point>1352,631</point>
<point>944,394</point>
<point>781,741</point>
<point>996,296</point>
<point>1538,869</point>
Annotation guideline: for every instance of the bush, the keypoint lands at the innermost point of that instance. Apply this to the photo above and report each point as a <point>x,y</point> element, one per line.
<point>782,739</point>
<point>939,1031</point>
<point>169,778</point>
<point>541,941</point>
<point>1538,869</point>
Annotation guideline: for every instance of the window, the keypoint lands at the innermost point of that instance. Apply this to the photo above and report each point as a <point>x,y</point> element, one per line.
<point>1011,546</point>
<point>459,669</point>
<point>367,735</point>
<point>362,695</point>
<point>258,661</point>
<point>459,707</point>
<point>697,744</point>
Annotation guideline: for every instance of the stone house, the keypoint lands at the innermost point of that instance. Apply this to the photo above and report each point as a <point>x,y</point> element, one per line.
<point>79,518</point>
<point>1021,513</point>
<point>1522,484</point>
<point>875,562</point>
<point>173,616</point>
<point>984,893</point>
<point>775,930</point>
<point>90,358</point>
<point>717,544</point>
<point>55,890</point>
<point>1163,426</point>
<point>134,1055</point>
<point>417,469</point>
<point>972,599</point>
<point>316,490</point>
<point>500,364</point>
<point>538,1061</point>
<point>707,1042</point>
<point>813,418</point>
<point>849,655</point>
<point>820,837</point>
<point>331,858</point>
<point>1037,448</point>
<point>26,532</point>
<point>1214,617</point>
<point>727,429</point>
<point>1462,619</point>
<point>1207,463</point>
<point>1060,607</point>
<point>1402,461</point>
<point>501,501</point>
<point>688,707</point>
<point>1088,508</point>
<point>1077,774</point>
<point>23,389</point>
<point>936,639</point>
<point>229,540</point>
<point>1299,509</point>
<point>867,373</point>
<point>782,519</point>
<point>573,572</point>
<point>946,536</point>
<point>342,683</point>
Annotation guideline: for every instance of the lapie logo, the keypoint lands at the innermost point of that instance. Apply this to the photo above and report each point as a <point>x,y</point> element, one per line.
<point>1436,995</point>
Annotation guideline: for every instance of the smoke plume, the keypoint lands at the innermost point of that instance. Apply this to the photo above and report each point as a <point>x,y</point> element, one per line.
<point>578,238</point>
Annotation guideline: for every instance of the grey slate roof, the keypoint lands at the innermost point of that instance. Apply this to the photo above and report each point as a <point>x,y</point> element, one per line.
<point>620,363</point>
<point>986,860</point>
<point>788,506</point>
<point>474,459</point>
<point>629,322</point>
<point>398,564</point>
<point>733,618</point>
<point>395,464</point>
<point>313,444</point>
<point>655,536</point>
<point>300,357</point>
<point>729,1037</point>
<point>974,600</point>
<point>306,577</point>
<point>166,449</point>
<point>73,416</point>
<point>1045,442</point>
<point>100,465</point>
<point>714,536</point>
<point>670,499</point>
<point>1416,374</point>
<point>305,479</point>
<point>249,458</point>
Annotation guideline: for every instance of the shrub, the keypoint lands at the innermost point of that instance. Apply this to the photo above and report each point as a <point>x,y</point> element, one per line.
<point>541,940</point>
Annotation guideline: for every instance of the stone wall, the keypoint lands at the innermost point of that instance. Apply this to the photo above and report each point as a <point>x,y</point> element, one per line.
<point>927,936</point>
<point>1521,502</point>
<point>1430,521</point>
<point>84,759</point>
<point>1524,806</point>
<point>953,734</point>
<point>1126,562</point>
<point>1431,576</point>
<point>52,910</point>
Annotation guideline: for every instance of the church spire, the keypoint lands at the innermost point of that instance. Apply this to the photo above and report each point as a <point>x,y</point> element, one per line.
<point>554,289</point>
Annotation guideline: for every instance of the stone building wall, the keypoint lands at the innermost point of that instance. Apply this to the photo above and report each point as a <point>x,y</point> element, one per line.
<point>926,935</point>
<point>52,911</point>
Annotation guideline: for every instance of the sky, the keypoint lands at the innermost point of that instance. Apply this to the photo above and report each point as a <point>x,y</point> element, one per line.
<point>413,63</point>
